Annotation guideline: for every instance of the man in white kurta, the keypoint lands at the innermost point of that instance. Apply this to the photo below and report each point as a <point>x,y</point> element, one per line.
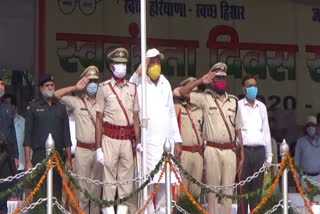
<point>162,122</point>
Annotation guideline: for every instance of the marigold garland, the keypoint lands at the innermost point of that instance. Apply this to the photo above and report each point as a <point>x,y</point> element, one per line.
<point>37,188</point>
<point>273,186</point>
<point>298,184</point>
<point>69,193</point>
<point>186,191</point>
<point>154,191</point>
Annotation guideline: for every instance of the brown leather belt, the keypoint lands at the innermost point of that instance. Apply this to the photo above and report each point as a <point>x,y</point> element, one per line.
<point>90,146</point>
<point>124,132</point>
<point>192,149</point>
<point>221,145</point>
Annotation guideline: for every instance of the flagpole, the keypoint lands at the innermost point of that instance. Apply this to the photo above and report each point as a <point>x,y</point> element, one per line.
<point>144,100</point>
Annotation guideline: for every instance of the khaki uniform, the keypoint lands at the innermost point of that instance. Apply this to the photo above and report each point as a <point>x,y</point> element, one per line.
<point>118,157</point>
<point>220,164</point>
<point>192,162</point>
<point>85,160</point>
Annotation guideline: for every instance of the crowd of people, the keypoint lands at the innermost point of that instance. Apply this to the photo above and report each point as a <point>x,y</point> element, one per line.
<point>96,126</point>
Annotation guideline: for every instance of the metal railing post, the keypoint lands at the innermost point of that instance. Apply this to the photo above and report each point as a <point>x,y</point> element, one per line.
<point>49,147</point>
<point>284,148</point>
<point>167,148</point>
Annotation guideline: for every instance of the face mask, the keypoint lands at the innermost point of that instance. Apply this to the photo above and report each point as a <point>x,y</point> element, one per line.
<point>92,88</point>
<point>154,72</point>
<point>311,131</point>
<point>220,87</point>
<point>1,92</point>
<point>120,70</point>
<point>252,92</point>
<point>47,94</point>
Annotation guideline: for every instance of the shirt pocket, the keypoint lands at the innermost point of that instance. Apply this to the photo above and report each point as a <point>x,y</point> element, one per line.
<point>111,103</point>
<point>129,101</point>
<point>212,110</point>
<point>231,114</point>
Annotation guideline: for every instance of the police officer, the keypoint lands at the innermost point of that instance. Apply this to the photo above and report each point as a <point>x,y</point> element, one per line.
<point>190,120</point>
<point>84,111</point>
<point>117,111</point>
<point>222,123</point>
<point>47,115</point>
<point>8,144</point>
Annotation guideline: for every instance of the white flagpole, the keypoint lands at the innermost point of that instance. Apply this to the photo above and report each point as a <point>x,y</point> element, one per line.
<point>144,100</point>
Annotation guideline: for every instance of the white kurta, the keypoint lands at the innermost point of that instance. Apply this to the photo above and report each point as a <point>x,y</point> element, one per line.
<point>162,122</point>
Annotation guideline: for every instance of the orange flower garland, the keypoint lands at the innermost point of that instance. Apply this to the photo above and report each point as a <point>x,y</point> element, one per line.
<point>154,191</point>
<point>186,191</point>
<point>66,185</point>
<point>37,188</point>
<point>273,186</point>
<point>298,184</point>
<point>309,189</point>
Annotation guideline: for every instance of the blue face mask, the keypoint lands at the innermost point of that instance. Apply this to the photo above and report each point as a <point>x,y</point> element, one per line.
<point>311,131</point>
<point>92,88</point>
<point>252,92</point>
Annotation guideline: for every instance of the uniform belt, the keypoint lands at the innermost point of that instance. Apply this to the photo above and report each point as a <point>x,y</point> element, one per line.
<point>90,146</point>
<point>312,174</point>
<point>253,148</point>
<point>221,145</point>
<point>118,132</point>
<point>192,149</point>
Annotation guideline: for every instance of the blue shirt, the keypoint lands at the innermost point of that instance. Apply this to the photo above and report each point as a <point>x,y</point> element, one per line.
<point>19,127</point>
<point>307,154</point>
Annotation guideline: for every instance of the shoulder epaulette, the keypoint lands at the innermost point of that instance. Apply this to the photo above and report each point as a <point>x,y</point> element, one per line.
<point>208,91</point>
<point>233,96</point>
<point>105,82</point>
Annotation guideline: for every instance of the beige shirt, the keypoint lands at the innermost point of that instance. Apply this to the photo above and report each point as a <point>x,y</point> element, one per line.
<point>188,134</point>
<point>108,104</point>
<point>85,130</point>
<point>214,127</point>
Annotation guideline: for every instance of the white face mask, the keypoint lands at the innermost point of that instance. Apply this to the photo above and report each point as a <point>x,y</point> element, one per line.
<point>120,70</point>
<point>47,94</point>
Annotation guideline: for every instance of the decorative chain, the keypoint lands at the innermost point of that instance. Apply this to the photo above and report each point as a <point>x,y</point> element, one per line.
<point>61,208</point>
<point>231,186</point>
<point>20,175</point>
<point>275,207</point>
<point>33,205</point>
<point>294,208</point>
<point>315,183</point>
<point>159,208</point>
<point>180,209</point>
<point>105,183</point>
<point>105,203</point>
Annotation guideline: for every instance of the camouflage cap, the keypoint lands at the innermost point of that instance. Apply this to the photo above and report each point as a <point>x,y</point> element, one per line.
<point>92,72</point>
<point>221,68</point>
<point>118,55</point>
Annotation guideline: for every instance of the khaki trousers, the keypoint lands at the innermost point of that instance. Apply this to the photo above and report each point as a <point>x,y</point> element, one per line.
<point>193,164</point>
<point>118,166</point>
<point>87,166</point>
<point>221,170</point>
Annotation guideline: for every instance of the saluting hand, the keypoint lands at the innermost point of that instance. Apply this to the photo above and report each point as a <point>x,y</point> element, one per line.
<point>82,83</point>
<point>208,78</point>
<point>176,92</point>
